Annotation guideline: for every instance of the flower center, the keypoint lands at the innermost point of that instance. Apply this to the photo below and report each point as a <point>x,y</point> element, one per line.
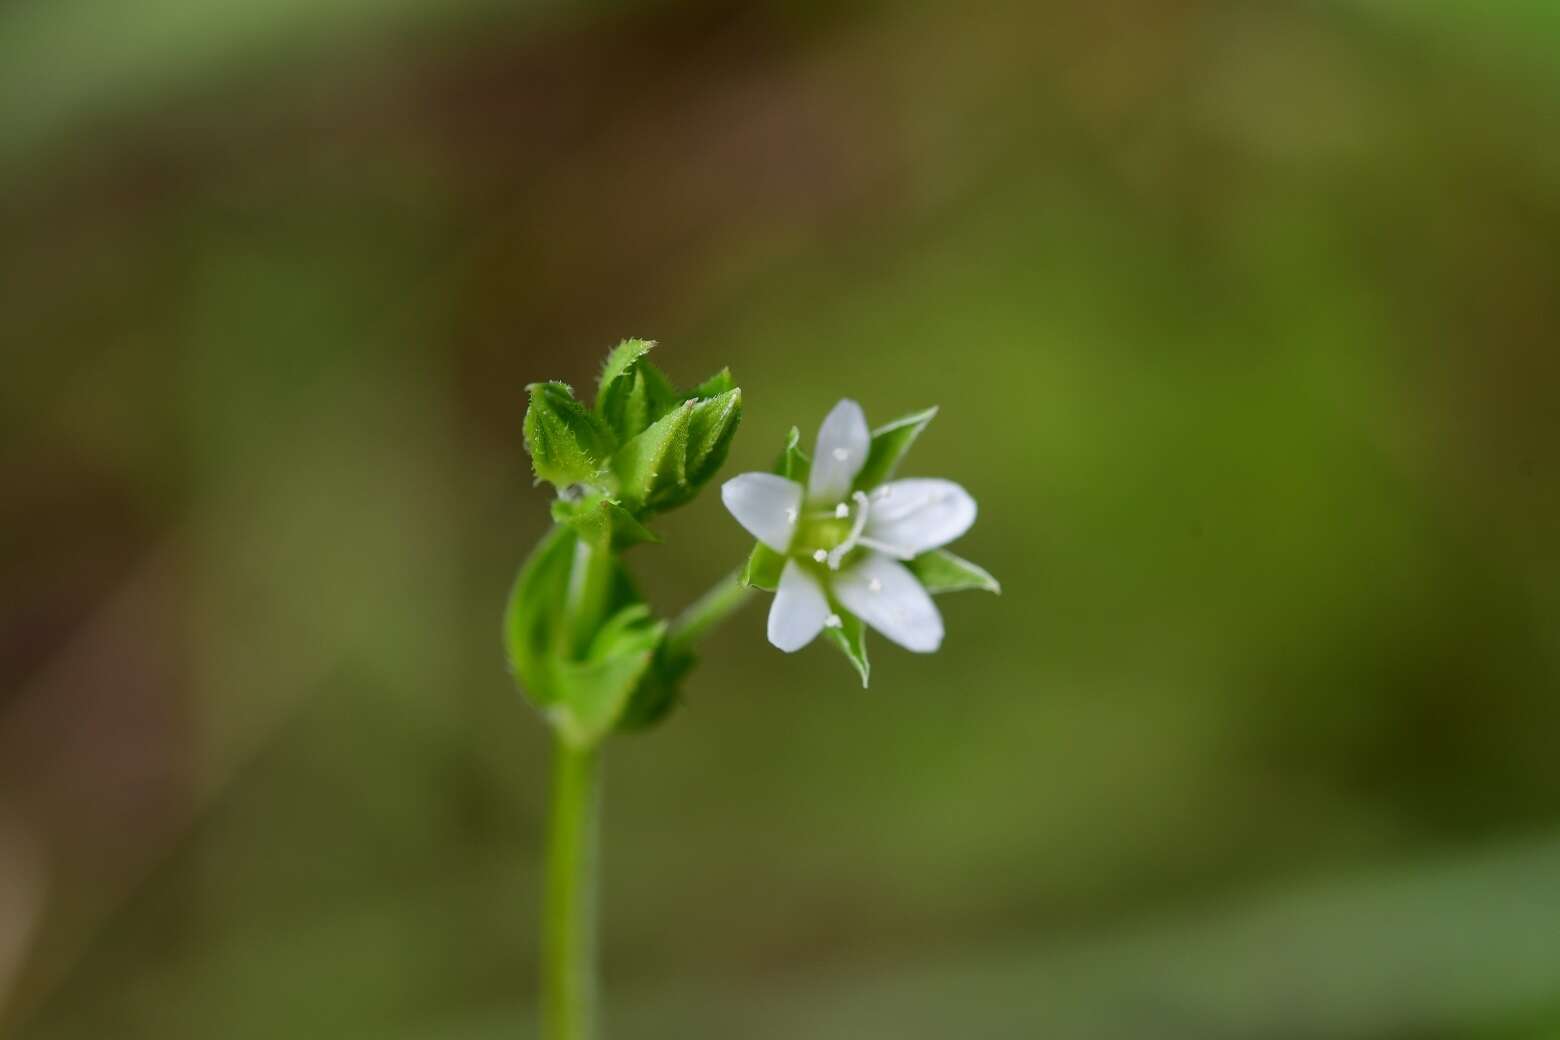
<point>828,536</point>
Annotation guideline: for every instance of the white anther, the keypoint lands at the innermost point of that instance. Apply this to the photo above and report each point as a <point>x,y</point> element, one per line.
<point>875,585</point>
<point>840,454</point>
<point>819,556</point>
<point>841,511</point>
<point>833,621</point>
<point>791,515</point>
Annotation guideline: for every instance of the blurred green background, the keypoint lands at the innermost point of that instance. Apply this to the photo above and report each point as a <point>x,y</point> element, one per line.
<point>1243,320</point>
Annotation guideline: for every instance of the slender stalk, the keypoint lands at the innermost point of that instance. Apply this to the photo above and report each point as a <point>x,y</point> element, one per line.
<point>569,908</point>
<point>723,599</point>
<point>569,984</point>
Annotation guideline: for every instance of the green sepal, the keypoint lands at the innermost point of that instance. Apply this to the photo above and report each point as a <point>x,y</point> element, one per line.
<point>633,393</point>
<point>710,431</point>
<point>659,691</point>
<point>567,443</point>
<point>717,384</point>
<point>851,638</point>
<point>941,571</point>
<point>889,444</point>
<point>651,469</point>
<point>591,695</point>
<point>763,568</point>
<point>602,522</point>
<point>793,463</point>
<point>533,617</point>
<point>583,694</point>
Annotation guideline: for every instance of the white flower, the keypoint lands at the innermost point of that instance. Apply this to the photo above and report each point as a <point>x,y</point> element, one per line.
<point>844,546</point>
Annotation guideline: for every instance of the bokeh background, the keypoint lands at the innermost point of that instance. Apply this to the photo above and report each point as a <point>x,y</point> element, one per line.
<point>1243,320</point>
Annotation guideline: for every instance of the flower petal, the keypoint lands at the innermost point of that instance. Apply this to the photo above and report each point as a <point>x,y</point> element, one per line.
<point>799,610</point>
<point>843,442</point>
<point>886,596</point>
<point>766,505</point>
<point>909,517</point>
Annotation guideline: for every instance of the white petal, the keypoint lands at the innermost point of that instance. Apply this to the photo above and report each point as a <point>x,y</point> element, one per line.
<point>766,504</point>
<point>799,611</point>
<point>908,517</point>
<point>884,594</point>
<point>841,451</point>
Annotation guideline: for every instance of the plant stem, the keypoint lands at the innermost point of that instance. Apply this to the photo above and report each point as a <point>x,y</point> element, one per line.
<point>723,599</point>
<point>569,985</point>
<point>569,910</point>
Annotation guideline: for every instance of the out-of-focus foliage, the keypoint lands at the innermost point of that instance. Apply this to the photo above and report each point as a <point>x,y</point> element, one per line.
<point>1241,320</point>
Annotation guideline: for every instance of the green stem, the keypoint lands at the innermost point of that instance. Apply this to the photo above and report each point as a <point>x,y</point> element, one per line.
<point>569,910</point>
<point>724,598</point>
<point>569,985</point>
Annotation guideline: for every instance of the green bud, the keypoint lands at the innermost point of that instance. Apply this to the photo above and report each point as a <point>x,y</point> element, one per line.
<point>667,464</point>
<point>633,393</point>
<point>710,432</point>
<point>568,444</point>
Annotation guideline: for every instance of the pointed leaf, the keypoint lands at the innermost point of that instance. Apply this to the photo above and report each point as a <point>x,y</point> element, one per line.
<point>622,361</point>
<point>763,568</point>
<point>592,694</point>
<point>715,385</point>
<point>659,690</point>
<point>533,616</point>
<point>650,469</point>
<point>602,522</point>
<point>941,571</point>
<point>710,431</point>
<point>568,444</point>
<point>660,395</point>
<point>793,463</point>
<point>624,399</point>
<point>851,638</point>
<point>889,444</point>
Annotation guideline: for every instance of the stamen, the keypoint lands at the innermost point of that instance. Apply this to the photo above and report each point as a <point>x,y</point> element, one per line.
<point>833,621</point>
<point>791,515</point>
<point>838,555</point>
<point>875,585</point>
<point>820,555</point>
<point>841,511</point>
<point>840,454</point>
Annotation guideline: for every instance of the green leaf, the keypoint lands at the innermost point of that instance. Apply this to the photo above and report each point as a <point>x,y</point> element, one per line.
<point>710,431</point>
<point>658,691</point>
<point>851,638</point>
<point>889,444</point>
<point>717,384</point>
<point>633,393</point>
<point>619,364</point>
<point>568,444</point>
<point>651,468</point>
<point>660,394</point>
<point>591,695</point>
<point>602,522</point>
<point>763,568</point>
<point>793,463</point>
<point>941,571</point>
<point>533,616</point>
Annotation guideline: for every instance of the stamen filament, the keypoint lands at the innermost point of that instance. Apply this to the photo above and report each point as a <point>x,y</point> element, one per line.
<point>838,555</point>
